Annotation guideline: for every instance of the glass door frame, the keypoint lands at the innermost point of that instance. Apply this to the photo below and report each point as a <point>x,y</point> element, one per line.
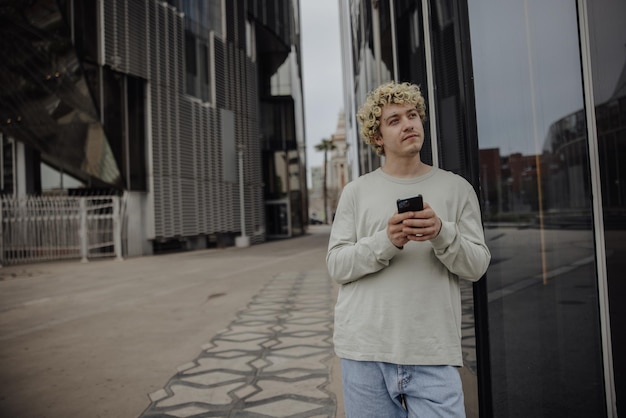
<point>598,218</point>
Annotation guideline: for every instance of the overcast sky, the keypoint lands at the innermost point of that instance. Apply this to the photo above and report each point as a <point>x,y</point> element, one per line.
<point>321,62</point>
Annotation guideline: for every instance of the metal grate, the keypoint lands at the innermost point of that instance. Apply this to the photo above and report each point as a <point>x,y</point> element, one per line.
<point>41,228</point>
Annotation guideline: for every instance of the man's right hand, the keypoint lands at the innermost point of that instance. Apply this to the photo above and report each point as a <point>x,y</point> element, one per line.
<point>395,228</point>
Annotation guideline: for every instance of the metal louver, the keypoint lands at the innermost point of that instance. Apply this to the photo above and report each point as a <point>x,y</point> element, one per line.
<point>189,193</point>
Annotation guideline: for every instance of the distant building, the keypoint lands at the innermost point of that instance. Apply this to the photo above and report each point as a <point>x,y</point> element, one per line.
<point>339,166</point>
<point>337,174</point>
<point>316,194</point>
<point>341,173</point>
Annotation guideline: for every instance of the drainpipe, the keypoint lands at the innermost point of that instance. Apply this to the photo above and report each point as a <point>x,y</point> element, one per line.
<point>243,240</point>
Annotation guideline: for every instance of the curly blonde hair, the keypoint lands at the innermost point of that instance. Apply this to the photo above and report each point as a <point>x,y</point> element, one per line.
<point>392,92</point>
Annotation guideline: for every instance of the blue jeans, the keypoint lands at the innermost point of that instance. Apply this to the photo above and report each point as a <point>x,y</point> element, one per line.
<point>385,390</point>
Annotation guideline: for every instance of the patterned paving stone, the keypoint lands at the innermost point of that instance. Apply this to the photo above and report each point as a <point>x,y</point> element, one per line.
<point>272,360</point>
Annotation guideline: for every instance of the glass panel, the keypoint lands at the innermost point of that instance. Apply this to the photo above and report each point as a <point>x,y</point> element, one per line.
<point>85,24</point>
<point>204,72</point>
<point>280,81</point>
<point>386,40</point>
<point>411,57</point>
<point>189,9</point>
<point>365,71</point>
<point>542,286</point>
<point>191,63</point>
<point>447,108</point>
<point>215,16</point>
<point>608,60</point>
<point>136,109</point>
<point>53,180</point>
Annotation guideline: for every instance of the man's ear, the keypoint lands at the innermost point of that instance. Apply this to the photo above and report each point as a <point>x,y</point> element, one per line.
<point>378,140</point>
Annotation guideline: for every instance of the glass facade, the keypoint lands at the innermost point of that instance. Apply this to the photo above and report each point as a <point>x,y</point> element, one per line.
<point>45,100</point>
<point>282,135</point>
<point>507,85</point>
<point>544,320</point>
<point>366,72</point>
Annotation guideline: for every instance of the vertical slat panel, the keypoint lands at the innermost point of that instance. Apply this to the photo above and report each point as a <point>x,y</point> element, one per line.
<point>136,53</point>
<point>190,195</point>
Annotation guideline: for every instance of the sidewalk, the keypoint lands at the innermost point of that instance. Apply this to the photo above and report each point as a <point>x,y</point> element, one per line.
<point>236,332</point>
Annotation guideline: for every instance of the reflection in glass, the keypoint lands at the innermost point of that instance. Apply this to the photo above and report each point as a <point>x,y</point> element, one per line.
<point>412,59</point>
<point>367,73</point>
<point>282,136</point>
<point>45,100</point>
<point>205,15</point>
<point>535,188</point>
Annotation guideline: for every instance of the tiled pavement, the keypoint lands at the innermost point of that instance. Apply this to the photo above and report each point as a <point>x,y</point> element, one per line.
<point>273,360</point>
<point>270,356</point>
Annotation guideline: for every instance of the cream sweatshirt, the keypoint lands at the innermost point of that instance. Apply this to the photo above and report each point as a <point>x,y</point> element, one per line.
<point>403,306</point>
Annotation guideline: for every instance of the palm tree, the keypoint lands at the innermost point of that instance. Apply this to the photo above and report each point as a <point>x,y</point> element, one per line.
<point>326,145</point>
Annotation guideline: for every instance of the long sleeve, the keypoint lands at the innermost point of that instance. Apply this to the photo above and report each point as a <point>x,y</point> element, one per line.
<point>460,245</point>
<point>403,305</point>
<point>350,256</point>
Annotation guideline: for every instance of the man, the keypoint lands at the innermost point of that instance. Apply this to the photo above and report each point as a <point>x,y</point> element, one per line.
<point>398,313</point>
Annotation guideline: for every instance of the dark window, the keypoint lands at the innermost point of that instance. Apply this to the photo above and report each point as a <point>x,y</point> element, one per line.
<point>190,53</point>
<point>124,125</point>
<point>136,134</point>
<point>8,174</point>
<point>113,111</point>
<point>204,73</point>
<point>191,63</point>
<point>86,29</point>
<point>198,70</point>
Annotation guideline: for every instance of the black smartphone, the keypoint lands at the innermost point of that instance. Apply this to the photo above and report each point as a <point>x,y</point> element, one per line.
<point>414,204</point>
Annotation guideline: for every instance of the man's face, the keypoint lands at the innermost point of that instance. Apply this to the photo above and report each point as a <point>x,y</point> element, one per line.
<point>401,131</point>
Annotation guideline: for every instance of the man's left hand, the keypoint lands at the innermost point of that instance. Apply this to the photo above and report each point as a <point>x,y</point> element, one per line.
<point>423,226</point>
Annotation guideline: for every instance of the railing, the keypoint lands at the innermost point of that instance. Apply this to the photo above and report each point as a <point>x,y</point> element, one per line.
<point>42,228</point>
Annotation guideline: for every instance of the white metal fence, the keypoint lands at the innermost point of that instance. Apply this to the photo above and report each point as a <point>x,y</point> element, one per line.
<point>40,228</point>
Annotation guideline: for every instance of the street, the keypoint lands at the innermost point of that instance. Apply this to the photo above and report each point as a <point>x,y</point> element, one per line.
<point>102,339</point>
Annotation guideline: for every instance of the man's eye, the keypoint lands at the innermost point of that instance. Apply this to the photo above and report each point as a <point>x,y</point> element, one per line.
<point>393,121</point>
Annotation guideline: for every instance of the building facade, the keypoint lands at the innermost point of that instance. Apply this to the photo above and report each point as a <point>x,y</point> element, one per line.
<point>193,109</point>
<point>339,167</point>
<point>527,100</point>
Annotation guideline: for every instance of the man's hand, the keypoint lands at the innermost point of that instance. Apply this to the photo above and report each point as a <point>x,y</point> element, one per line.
<point>413,226</point>
<point>395,228</point>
